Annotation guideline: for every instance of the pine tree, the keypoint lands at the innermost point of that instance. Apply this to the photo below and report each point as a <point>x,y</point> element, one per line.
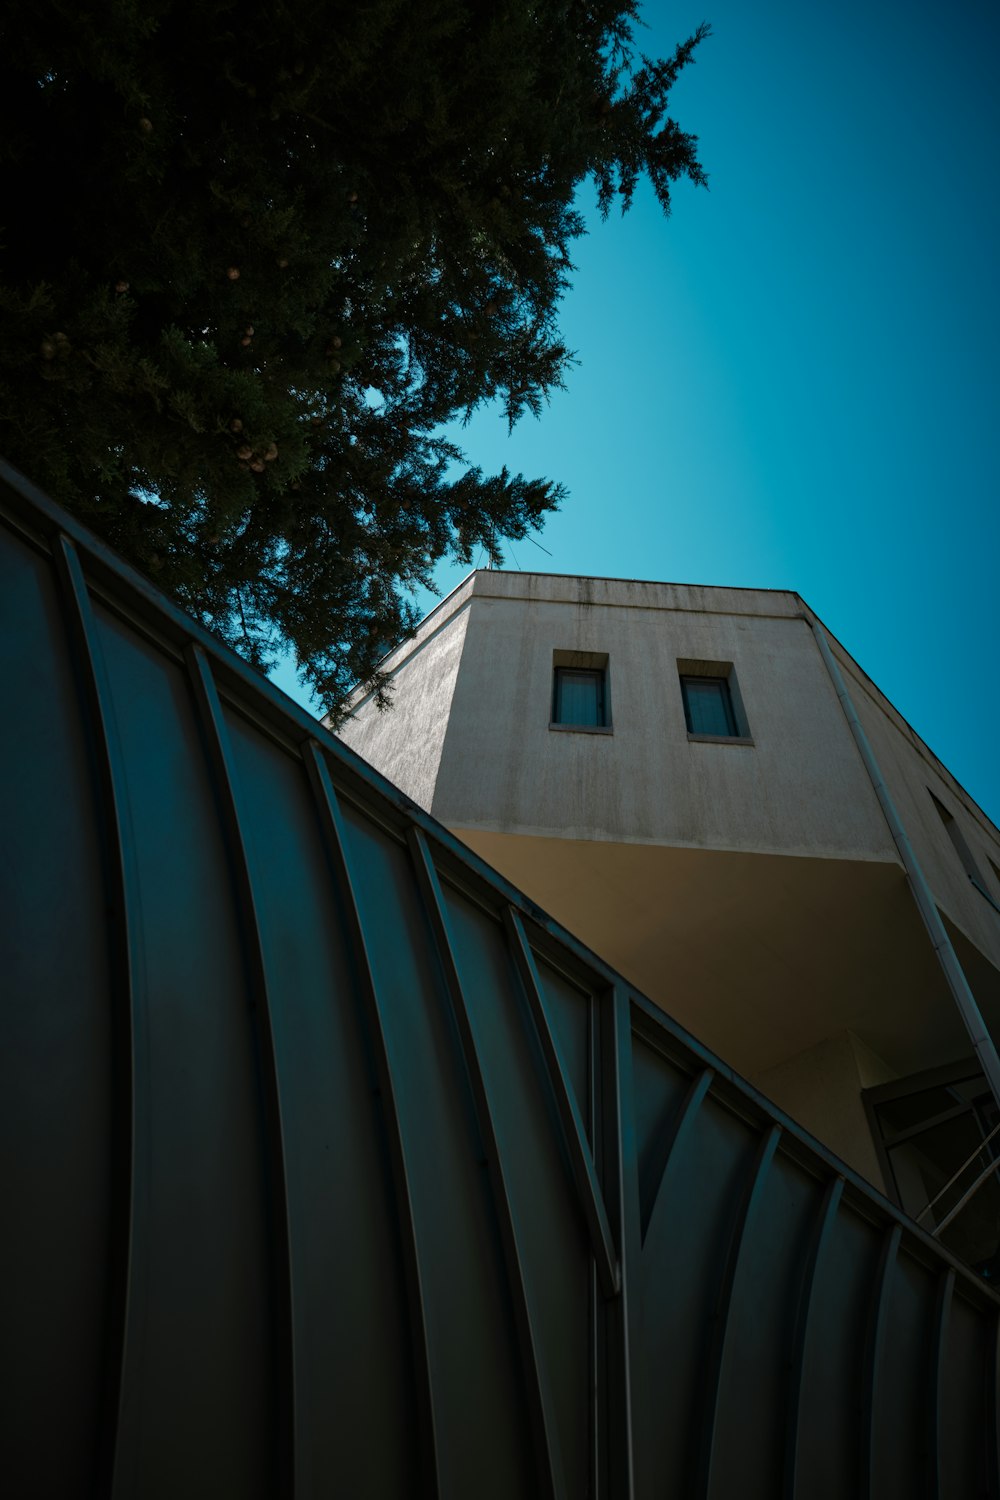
<point>253,257</point>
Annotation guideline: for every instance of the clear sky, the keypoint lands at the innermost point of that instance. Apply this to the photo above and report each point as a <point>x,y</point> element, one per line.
<point>793,382</point>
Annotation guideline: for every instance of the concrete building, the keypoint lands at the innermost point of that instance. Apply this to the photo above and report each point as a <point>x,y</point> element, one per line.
<point>672,772</point>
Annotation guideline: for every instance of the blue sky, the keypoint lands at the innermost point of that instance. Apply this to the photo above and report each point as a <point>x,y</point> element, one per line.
<point>793,381</point>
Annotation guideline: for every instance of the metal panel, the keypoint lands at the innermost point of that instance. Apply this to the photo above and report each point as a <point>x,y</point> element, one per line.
<point>571,1114</point>
<point>824,1215</point>
<point>759,1334</point>
<point>478,1393</point>
<point>686,1246</point>
<point>501,1152</point>
<point>56,1077</point>
<point>618,1336</point>
<point>874,1373</point>
<point>746,1211</point>
<point>829,1451</point>
<point>904,1447</point>
<point>968,1431</point>
<point>373,1071</point>
<point>283,1364</point>
<point>198,1145</point>
<point>332,1165</point>
<point>128,1216</point>
<point>935,1389</point>
<point>346,1288</point>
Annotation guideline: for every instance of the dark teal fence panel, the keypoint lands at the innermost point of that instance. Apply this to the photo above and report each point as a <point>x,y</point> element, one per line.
<point>332,1165</point>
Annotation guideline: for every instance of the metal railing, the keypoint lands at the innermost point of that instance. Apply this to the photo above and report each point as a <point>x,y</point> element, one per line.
<point>993,1165</point>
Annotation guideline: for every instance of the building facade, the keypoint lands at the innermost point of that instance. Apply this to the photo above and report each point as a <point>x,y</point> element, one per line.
<point>672,772</point>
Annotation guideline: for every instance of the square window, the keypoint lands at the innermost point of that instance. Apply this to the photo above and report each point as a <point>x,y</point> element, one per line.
<point>579,698</point>
<point>708,707</point>
<point>713,704</point>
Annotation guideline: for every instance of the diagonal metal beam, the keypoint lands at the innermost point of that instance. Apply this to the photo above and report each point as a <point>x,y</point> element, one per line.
<point>335,841</point>
<point>574,1132</point>
<point>548,1458</point>
<point>944,949</point>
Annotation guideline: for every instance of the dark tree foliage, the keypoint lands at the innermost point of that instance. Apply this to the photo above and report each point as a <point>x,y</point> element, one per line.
<point>253,256</point>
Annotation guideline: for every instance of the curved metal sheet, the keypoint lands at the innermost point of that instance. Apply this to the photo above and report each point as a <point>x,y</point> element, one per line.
<point>221,760</point>
<point>358,1057</point>
<point>743,1224</point>
<point>336,841</point>
<point>130,1095</point>
<point>824,1223</point>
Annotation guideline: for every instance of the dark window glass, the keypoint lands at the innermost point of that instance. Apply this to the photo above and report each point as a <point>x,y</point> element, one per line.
<point>579,697</point>
<point>708,706</point>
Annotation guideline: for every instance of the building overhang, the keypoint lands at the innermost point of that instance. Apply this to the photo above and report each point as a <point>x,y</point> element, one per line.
<point>760,955</point>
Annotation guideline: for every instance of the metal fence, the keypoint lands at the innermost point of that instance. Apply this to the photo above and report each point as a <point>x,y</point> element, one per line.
<point>333,1165</point>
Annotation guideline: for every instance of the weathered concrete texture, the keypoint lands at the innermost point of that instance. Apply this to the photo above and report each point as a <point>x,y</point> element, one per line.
<point>406,744</point>
<point>476,748</point>
<point>799,788</point>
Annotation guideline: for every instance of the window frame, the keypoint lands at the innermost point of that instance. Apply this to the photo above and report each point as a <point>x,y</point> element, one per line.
<point>724,673</point>
<point>591,662</point>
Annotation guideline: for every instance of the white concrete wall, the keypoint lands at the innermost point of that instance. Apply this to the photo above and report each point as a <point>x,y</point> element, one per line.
<point>470,737</point>
<point>799,789</point>
<point>405,741</point>
<point>469,734</point>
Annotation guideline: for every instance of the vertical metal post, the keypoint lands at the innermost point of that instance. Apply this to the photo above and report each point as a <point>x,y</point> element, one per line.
<point>619,1156</point>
